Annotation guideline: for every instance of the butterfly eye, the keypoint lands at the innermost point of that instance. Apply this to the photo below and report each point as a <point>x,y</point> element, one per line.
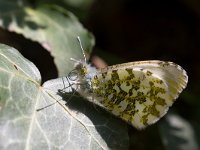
<point>73,75</point>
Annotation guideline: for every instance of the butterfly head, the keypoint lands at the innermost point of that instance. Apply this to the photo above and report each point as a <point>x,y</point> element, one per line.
<point>79,71</point>
<point>81,68</point>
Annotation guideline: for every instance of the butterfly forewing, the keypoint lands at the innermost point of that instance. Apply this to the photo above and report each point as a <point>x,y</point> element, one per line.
<point>138,92</point>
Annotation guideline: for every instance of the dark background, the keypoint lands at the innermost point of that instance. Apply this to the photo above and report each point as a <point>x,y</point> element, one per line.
<point>130,30</point>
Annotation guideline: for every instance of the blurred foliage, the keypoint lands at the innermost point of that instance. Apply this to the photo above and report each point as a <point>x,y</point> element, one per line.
<point>52,27</point>
<point>132,30</point>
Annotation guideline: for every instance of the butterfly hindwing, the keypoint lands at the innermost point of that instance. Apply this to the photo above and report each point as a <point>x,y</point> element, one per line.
<point>139,92</point>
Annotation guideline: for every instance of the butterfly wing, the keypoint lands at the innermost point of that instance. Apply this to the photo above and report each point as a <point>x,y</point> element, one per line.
<point>139,92</point>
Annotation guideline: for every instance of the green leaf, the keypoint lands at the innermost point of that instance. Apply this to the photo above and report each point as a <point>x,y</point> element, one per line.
<point>54,28</point>
<point>80,4</point>
<point>178,134</point>
<point>71,124</point>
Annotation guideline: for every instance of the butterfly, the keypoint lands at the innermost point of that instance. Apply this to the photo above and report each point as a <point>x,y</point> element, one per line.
<point>139,93</point>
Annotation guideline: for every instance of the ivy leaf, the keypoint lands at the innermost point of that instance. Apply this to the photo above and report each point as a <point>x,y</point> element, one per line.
<point>40,117</point>
<point>55,28</point>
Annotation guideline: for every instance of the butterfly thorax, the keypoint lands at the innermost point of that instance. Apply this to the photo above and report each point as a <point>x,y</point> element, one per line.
<point>85,73</point>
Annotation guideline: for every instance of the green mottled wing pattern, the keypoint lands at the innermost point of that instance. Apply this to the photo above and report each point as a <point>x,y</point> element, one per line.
<point>139,92</point>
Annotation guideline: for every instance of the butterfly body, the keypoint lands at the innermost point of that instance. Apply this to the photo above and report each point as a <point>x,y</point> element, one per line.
<point>138,92</point>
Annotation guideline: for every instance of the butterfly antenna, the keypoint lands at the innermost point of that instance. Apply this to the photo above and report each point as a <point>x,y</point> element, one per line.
<point>79,40</point>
